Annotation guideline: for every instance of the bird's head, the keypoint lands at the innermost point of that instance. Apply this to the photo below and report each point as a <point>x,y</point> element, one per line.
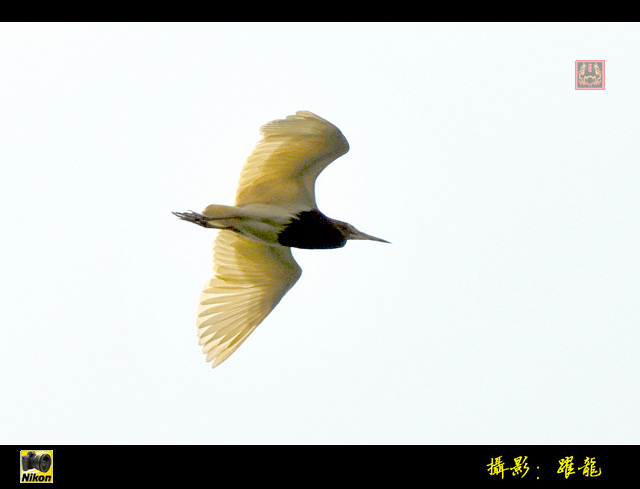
<point>350,232</point>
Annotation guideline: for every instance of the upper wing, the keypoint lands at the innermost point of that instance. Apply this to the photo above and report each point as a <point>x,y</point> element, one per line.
<point>249,280</point>
<point>283,167</point>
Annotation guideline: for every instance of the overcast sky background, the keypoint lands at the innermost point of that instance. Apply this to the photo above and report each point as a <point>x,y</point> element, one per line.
<point>506,309</point>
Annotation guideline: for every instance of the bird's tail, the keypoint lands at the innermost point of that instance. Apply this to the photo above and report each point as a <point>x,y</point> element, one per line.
<point>214,216</point>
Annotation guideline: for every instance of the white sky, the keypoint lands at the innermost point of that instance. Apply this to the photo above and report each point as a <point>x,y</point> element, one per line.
<point>506,310</point>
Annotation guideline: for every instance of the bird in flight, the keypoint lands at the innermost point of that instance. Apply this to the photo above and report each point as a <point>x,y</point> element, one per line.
<point>275,210</point>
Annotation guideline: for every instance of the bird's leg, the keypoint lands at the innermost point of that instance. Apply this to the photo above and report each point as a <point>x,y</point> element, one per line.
<point>193,217</point>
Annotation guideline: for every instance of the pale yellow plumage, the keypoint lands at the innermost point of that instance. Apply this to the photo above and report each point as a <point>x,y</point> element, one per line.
<point>283,167</point>
<point>250,277</point>
<point>249,280</point>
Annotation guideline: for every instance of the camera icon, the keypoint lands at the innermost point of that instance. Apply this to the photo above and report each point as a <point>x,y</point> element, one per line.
<point>41,462</point>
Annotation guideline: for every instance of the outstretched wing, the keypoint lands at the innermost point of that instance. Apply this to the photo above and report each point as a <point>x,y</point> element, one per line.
<point>249,280</point>
<point>283,167</point>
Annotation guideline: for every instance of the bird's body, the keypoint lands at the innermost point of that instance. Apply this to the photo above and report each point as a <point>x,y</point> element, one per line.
<point>275,210</point>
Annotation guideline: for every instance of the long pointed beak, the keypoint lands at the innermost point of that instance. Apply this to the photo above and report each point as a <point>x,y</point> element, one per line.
<point>355,234</point>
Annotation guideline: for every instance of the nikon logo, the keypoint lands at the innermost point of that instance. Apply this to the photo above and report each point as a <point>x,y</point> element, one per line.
<point>33,477</point>
<point>36,466</point>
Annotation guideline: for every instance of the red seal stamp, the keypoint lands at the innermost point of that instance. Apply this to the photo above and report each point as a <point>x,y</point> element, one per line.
<point>590,74</point>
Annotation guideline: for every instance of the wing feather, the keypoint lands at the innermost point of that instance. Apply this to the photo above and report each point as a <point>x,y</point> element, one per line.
<point>249,280</point>
<point>283,167</point>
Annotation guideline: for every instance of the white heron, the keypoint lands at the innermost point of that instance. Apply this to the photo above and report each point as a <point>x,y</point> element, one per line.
<point>275,210</point>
